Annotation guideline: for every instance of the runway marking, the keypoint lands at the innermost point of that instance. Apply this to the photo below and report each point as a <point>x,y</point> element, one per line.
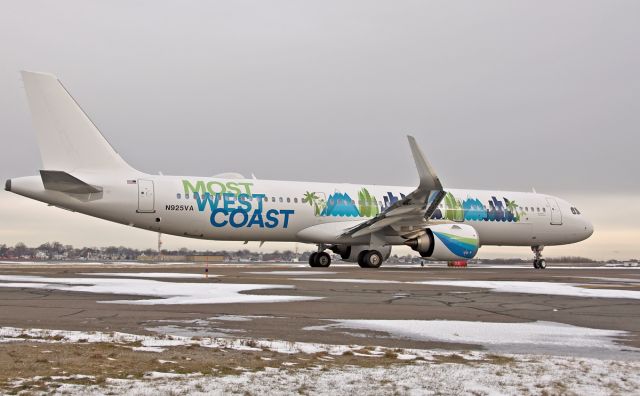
<point>369,281</point>
<point>291,273</point>
<point>169,292</point>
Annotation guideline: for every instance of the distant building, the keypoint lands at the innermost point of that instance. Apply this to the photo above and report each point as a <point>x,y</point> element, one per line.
<point>184,259</point>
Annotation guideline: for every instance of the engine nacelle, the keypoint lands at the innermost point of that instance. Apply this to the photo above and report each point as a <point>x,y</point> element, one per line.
<point>446,242</point>
<point>351,252</point>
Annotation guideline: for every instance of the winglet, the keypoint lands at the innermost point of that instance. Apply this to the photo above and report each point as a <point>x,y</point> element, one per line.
<point>428,178</point>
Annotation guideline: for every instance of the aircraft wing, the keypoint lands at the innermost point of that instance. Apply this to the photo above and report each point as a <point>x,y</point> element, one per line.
<point>415,209</point>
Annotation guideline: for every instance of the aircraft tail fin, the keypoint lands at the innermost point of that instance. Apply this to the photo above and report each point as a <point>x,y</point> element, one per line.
<point>67,138</point>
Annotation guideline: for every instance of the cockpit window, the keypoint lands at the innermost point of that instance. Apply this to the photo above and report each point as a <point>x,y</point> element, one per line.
<point>575,210</point>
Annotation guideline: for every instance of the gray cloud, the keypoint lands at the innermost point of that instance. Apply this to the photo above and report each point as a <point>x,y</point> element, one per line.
<point>500,94</point>
<point>508,95</point>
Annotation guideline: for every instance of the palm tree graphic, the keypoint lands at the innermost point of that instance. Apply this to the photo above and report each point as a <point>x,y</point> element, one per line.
<point>313,200</point>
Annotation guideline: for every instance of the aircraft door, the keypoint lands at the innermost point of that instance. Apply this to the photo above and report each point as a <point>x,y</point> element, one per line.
<point>146,196</point>
<point>556,214</point>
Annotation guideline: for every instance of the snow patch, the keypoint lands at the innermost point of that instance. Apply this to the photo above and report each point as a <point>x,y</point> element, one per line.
<point>534,336</point>
<point>547,288</point>
<point>174,275</point>
<point>549,375</point>
<point>169,292</point>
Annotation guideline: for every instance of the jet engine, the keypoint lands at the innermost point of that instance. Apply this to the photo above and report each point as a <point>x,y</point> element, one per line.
<point>446,242</point>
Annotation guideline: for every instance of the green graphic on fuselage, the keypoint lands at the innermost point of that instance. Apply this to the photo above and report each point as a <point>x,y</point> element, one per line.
<point>341,204</point>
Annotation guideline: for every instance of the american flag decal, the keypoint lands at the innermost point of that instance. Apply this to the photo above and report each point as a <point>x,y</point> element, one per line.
<point>131,182</point>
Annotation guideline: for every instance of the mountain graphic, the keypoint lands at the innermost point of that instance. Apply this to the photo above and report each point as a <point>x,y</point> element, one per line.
<point>340,204</point>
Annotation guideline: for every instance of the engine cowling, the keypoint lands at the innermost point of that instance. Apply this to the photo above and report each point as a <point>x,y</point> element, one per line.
<point>351,252</point>
<point>446,242</point>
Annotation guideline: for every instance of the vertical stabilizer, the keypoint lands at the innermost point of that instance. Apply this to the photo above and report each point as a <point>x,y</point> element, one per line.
<point>68,139</point>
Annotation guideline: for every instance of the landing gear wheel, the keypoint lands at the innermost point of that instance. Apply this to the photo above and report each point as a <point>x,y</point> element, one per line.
<point>312,259</point>
<point>372,259</point>
<point>322,259</point>
<point>361,261</point>
<point>538,261</point>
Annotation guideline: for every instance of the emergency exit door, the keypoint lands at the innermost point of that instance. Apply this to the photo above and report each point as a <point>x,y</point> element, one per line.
<point>146,196</point>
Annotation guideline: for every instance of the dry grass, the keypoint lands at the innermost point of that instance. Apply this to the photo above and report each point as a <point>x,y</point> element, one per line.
<point>37,362</point>
<point>34,363</point>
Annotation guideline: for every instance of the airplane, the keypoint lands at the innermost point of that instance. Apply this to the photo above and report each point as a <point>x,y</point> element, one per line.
<point>81,172</point>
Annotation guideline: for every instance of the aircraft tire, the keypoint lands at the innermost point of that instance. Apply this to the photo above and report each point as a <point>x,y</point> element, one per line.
<point>322,259</point>
<point>542,264</point>
<point>535,263</point>
<point>312,259</point>
<point>361,261</point>
<point>373,259</point>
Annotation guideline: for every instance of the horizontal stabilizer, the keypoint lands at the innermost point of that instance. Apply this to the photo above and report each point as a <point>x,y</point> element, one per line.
<point>64,182</point>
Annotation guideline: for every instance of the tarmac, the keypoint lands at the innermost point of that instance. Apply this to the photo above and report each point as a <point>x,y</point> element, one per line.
<point>342,292</point>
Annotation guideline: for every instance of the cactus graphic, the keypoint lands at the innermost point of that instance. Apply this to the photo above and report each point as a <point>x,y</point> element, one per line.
<point>454,209</point>
<point>367,204</point>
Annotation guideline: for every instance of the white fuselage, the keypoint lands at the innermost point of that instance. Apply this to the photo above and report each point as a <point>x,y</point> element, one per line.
<point>266,210</point>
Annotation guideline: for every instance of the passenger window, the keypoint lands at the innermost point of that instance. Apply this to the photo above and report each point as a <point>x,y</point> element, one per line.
<point>288,200</point>
<point>179,196</point>
<point>538,209</point>
<point>186,196</point>
<point>295,200</point>
<point>273,199</point>
<point>280,199</point>
<point>544,210</point>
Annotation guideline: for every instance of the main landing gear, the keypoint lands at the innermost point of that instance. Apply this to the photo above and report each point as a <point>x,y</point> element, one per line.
<point>320,259</point>
<point>538,261</point>
<point>370,259</point>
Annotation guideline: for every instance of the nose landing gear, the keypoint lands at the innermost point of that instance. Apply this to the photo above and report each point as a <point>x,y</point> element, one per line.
<point>538,261</point>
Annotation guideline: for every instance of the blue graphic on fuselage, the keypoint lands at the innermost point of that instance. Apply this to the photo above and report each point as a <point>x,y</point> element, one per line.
<point>390,199</point>
<point>340,205</point>
<point>474,210</point>
<point>241,210</point>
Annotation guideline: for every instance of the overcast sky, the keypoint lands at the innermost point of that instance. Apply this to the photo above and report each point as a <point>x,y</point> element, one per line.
<point>500,94</point>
